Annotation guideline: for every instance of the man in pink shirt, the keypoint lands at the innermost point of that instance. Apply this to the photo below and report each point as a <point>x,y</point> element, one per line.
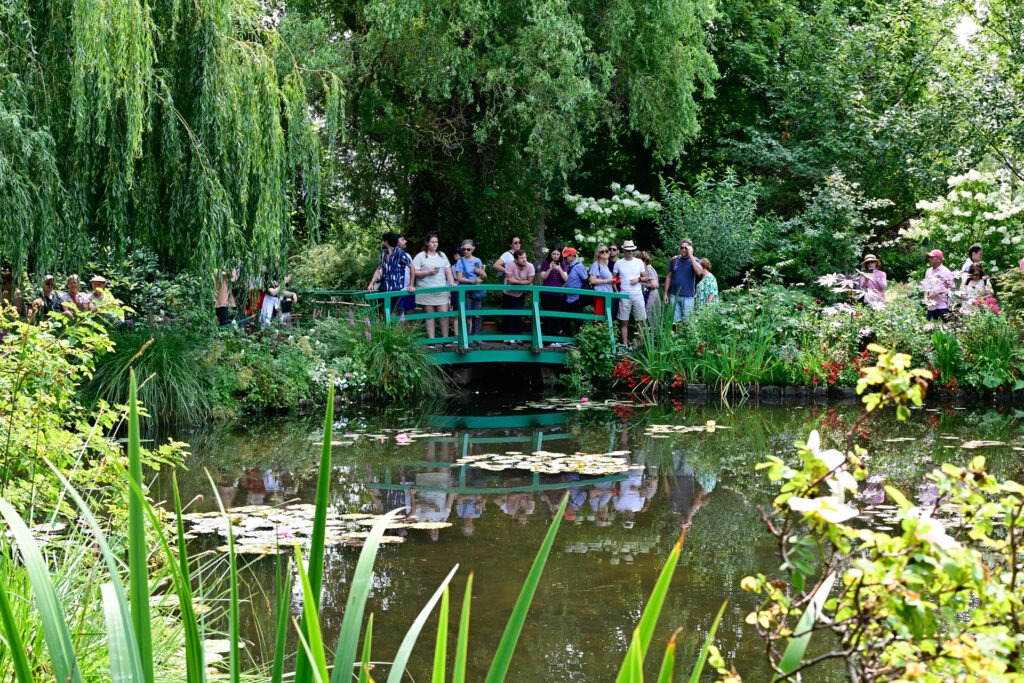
<point>519,272</point>
<point>937,285</point>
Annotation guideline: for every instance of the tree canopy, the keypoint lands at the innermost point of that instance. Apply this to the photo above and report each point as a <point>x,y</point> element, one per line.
<point>158,122</point>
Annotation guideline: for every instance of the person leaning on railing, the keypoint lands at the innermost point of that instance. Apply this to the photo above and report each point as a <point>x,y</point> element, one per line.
<point>519,272</point>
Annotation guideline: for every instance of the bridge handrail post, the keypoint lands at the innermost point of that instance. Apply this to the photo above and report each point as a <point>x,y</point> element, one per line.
<point>463,336</point>
<point>387,307</point>
<point>538,339</point>
<point>608,316</point>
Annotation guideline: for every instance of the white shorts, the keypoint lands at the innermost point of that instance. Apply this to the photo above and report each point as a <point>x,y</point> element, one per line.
<point>634,304</point>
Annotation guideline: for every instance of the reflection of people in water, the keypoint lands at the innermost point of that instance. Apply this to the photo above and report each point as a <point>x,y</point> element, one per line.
<point>431,506</point>
<point>685,493</point>
<point>552,498</point>
<point>469,508</point>
<point>252,482</point>
<point>279,485</point>
<point>600,503</point>
<point>518,506</point>
<point>634,495</point>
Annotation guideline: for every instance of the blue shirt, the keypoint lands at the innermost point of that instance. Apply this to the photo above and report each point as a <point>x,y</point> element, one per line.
<point>684,279</point>
<point>577,276</point>
<point>392,269</point>
<point>467,266</point>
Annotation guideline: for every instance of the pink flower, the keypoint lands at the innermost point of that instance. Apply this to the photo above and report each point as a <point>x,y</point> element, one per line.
<point>368,336</point>
<point>584,400</point>
<point>367,321</point>
<point>401,318</point>
<point>351,318</point>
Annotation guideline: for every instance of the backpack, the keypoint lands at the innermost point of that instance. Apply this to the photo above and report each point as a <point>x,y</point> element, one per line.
<point>586,275</point>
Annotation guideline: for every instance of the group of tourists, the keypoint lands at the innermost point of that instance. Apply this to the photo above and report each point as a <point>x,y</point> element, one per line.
<point>939,285</point>
<point>688,284</point>
<point>49,300</point>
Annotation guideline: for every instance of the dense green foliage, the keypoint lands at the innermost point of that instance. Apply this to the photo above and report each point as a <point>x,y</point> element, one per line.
<point>165,123</point>
<point>768,334</point>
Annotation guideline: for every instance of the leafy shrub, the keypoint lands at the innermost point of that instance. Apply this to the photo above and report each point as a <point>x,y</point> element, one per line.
<point>348,265</point>
<point>829,236</point>
<point>719,213</point>
<point>991,350</point>
<point>590,361</point>
<point>395,367</point>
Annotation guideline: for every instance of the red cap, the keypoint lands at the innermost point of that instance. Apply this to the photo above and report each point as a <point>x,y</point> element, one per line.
<point>568,251</point>
<point>935,252</point>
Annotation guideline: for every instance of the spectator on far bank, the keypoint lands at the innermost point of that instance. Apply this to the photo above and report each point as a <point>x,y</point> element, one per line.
<point>872,280</point>
<point>75,297</point>
<point>937,287</point>
<point>48,301</point>
<point>681,281</point>
<point>707,287</point>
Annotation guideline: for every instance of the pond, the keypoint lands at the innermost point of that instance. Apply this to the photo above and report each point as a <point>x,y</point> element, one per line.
<point>616,533</point>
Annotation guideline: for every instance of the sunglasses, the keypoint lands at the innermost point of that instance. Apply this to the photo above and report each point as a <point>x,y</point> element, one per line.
<point>602,251</point>
<point>615,248</point>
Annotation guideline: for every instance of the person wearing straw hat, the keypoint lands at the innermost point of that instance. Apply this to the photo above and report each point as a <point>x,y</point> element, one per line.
<point>872,280</point>
<point>632,274</point>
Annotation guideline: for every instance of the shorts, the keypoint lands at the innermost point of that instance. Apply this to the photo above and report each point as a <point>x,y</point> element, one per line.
<point>635,305</point>
<point>938,314</point>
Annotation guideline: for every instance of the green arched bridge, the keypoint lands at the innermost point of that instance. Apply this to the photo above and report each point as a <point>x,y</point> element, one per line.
<point>489,346</point>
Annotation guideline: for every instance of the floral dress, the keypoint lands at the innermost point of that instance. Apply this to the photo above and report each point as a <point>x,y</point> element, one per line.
<point>707,289</point>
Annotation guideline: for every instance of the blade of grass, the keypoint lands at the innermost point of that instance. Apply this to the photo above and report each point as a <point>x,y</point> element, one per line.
<point>304,644</point>
<point>359,591</point>
<point>284,594</point>
<point>195,660</point>
<point>364,667</point>
<point>507,646</point>
<point>138,549</point>
<point>316,543</point>
<point>51,615</point>
<point>195,664</point>
<point>668,662</point>
<point>632,670</point>
<point>311,622</point>
<point>462,645</point>
<point>234,663</point>
<point>702,657</point>
<point>117,641</point>
<point>113,569</point>
<point>652,610</point>
<point>405,649</point>
<point>794,653</point>
<point>15,645</point>
<point>441,644</point>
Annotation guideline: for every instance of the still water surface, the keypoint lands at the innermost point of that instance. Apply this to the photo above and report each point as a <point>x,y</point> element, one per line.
<point>613,541</point>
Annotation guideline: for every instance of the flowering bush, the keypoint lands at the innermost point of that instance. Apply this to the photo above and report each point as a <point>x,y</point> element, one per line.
<point>612,219</point>
<point>979,208</point>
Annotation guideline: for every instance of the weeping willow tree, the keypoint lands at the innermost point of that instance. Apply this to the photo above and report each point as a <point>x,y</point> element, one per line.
<point>164,123</point>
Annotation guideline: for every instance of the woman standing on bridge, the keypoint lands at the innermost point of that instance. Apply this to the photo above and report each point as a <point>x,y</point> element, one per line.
<point>432,269</point>
<point>553,273</point>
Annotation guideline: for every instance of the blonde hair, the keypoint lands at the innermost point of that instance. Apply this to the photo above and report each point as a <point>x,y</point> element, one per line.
<point>597,251</point>
<point>644,256</point>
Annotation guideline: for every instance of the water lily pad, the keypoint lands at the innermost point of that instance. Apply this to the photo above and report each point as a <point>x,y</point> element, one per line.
<point>982,444</point>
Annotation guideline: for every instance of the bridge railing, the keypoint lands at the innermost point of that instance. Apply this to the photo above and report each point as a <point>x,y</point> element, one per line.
<point>532,309</point>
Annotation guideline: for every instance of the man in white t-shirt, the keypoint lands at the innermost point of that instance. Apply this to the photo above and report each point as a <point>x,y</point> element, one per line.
<point>631,275</point>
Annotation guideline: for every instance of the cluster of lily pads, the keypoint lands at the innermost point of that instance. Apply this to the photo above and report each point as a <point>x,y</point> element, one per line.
<point>549,462</point>
<point>267,530</point>
<point>659,431</point>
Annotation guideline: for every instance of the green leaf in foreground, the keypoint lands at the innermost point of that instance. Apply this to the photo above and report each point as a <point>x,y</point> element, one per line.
<point>138,548</point>
<point>355,606</point>
<point>16,647</point>
<point>405,649</point>
<point>503,656</point>
<point>794,653</point>
<point>652,610</point>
